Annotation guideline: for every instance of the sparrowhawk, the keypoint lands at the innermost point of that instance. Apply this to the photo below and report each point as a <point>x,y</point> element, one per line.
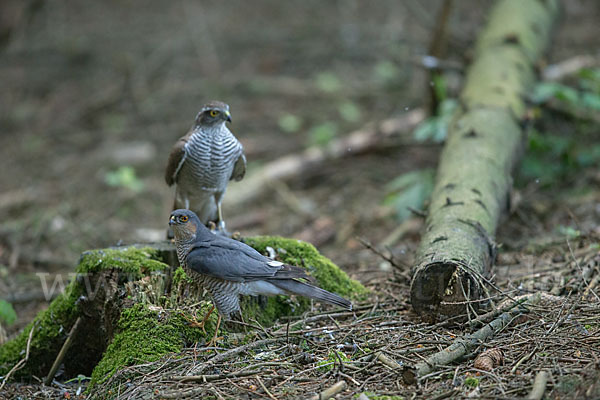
<point>228,268</point>
<point>202,163</point>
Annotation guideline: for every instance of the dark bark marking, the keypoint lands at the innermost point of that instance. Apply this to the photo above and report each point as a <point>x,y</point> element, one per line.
<point>439,239</point>
<point>512,38</point>
<point>482,205</point>
<point>451,203</point>
<point>471,134</point>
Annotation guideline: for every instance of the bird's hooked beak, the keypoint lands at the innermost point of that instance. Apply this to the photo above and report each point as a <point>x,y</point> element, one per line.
<point>172,220</point>
<point>228,115</point>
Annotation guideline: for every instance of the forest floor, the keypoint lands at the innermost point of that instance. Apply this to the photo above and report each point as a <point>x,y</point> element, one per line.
<point>86,134</point>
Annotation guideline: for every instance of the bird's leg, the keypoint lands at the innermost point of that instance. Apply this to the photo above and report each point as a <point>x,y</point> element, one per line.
<point>215,339</point>
<point>196,324</point>
<point>221,221</point>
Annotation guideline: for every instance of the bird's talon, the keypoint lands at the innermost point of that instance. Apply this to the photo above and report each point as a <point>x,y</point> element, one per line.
<point>214,340</point>
<point>236,235</point>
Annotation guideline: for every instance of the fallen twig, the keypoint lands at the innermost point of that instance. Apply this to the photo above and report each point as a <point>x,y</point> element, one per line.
<point>62,353</point>
<point>466,344</point>
<point>22,362</point>
<point>262,385</point>
<point>558,71</point>
<point>235,351</point>
<point>385,360</point>
<point>331,392</point>
<point>539,386</point>
<point>399,265</point>
<point>215,377</point>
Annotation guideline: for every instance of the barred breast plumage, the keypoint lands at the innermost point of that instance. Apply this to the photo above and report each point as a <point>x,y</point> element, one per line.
<point>202,162</point>
<point>210,157</point>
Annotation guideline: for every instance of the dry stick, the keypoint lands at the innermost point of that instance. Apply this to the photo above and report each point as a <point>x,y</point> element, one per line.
<point>262,385</point>
<point>292,165</point>
<point>210,378</point>
<point>539,386</point>
<point>591,286</point>
<point>466,344</point>
<point>22,362</point>
<point>330,392</point>
<point>570,66</point>
<point>378,252</point>
<point>62,352</point>
<point>400,267</point>
<point>235,351</point>
<point>385,360</point>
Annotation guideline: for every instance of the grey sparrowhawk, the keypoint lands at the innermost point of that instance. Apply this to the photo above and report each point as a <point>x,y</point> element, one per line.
<point>203,162</point>
<point>228,268</point>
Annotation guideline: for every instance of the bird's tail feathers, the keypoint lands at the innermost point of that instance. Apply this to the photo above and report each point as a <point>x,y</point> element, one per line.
<point>304,289</point>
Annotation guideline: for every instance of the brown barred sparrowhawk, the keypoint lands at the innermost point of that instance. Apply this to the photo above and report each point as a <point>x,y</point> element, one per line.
<point>228,268</point>
<point>202,163</point>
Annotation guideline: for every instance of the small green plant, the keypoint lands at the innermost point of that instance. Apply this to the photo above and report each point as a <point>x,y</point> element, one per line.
<point>386,71</point>
<point>569,232</point>
<point>435,128</point>
<point>409,190</point>
<point>332,359</point>
<point>124,177</point>
<point>552,157</point>
<point>349,111</point>
<point>322,134</point>
<point>328,82</point>
<point>289,123</point>
<point>585,95</point>
<point>7,313</point>
<point>471,382</point>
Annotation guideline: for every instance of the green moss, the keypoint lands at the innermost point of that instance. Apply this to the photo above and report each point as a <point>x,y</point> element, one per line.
<point>297,252</point>
<point>471,382</point>
<point>130,260</point>
<point>53,324</point>
<point>50,329</point>
<point>179,276</point>
<point>145,335</point>
<point>332,359</point>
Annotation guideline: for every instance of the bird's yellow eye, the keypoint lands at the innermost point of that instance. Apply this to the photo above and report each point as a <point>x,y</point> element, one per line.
<point>183,218</point>
<point>214,113</point>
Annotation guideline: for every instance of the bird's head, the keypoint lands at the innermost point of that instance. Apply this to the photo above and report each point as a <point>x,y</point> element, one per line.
<point>185,224</point>
<point>213,113</point>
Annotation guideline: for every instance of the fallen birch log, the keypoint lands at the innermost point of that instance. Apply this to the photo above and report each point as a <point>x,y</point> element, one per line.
<point>484,144</point>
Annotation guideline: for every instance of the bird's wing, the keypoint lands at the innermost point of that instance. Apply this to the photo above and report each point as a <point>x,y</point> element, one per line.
<point>239,169</point>
<point>238,262</point>
<point>176,159</point>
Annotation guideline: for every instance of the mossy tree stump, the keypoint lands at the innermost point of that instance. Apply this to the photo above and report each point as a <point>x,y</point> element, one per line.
<point>135,305</point>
